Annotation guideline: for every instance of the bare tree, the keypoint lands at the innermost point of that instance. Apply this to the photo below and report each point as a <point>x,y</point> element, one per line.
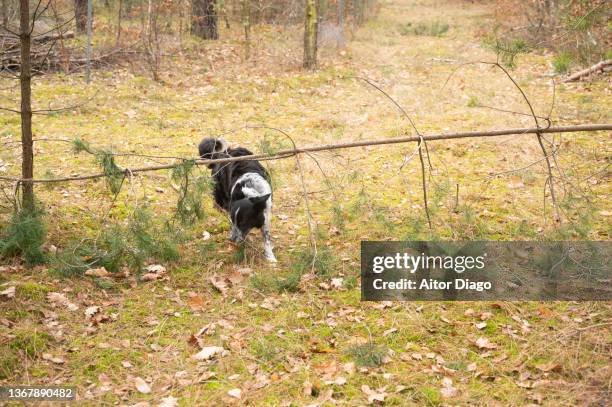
<point>4,11</point>
<point>310,34</point>
<point>204,19</point>
<point>25,79</point>
<point>246,22</point>
<point>119,17</point>
<point>80,16</point>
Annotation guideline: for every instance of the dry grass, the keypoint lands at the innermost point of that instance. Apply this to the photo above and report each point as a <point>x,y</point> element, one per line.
<point>279,339</point>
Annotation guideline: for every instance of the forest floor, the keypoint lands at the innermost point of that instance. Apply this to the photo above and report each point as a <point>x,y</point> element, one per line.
<point>288,336</point>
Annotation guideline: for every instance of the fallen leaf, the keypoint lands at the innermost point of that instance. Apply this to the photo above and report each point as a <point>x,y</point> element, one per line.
<point>307,389</point>
<point>8,293</point>
<point>219,284</point>
<point>389,331</point>
<point>168,402</point>
<point>235,393</point>
<point>196,303</point>
<point>484,343</point>
<point>156,268</point>
<point>55,359</point>
<point>99,272</point>
<point>349,367</point>
<point>516,182</point>
<point>270,303</point>
<point>91,311</point>
<point>209,352</point>
<point>548,367</point>
<point>340,380</point>
<point>337,283</point>
<point>60,299</point>
<point>142,386</point>
<point>485,315</point>
<point>150,276</point>
<point>374,395</point>
<point>235,278</point>
<point>481,325</point>
<point>447,389</point>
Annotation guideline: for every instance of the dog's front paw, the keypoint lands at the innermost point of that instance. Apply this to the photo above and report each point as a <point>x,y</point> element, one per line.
<point>270,257</point>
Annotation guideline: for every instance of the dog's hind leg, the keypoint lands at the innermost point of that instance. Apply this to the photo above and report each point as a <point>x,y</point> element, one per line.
<point>265,232</point>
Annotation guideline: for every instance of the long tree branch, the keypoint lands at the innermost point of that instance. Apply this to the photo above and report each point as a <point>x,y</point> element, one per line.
<point>396,140</point>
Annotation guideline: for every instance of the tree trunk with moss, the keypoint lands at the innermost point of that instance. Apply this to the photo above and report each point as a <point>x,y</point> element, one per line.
<point>204,19</point>
<point>25,78</point>
<point>310,35</point>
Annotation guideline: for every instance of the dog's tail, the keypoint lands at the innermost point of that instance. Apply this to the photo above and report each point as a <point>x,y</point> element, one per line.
<point>212,148</point>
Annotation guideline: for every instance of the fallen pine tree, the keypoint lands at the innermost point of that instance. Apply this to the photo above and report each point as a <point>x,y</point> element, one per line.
<point>600,67</point>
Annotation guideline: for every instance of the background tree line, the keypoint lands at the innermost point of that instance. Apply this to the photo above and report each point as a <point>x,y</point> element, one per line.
<point>149,29</point>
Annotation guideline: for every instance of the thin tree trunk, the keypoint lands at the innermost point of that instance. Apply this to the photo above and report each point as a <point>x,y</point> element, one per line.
<point>89,34</point>
<point>4,10</point>
<point>119,17</point>
<point>310,35</point>
<point>204,19</point>
<point>246,22</point>
<point>80,16</point>
<point>25,78</point>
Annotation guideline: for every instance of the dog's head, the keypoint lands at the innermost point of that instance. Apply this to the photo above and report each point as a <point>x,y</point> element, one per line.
<point>246,214</point>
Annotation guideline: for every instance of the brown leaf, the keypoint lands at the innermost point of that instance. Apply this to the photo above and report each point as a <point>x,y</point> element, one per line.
<point>548,367</point>
<point>235,278</point>
<point>8,293</point>
<point>484,343</point>
<point>55,359</point>
<point>99,272</point>
<point>219,284</point>
<point>196,303</point>
<point>378,395</point>
<point>60,299</point>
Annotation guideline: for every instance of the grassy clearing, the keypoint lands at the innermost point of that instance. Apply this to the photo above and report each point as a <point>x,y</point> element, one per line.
<point>285,326</point>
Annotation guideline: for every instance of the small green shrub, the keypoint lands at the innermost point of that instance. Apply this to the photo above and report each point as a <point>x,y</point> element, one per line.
<point>368,354</point>
<point>507,50</point>
<point>9,364</point>
<point>430,29</point>
<point>285,283</point>
<point>31,343</point>
<point>24,236</point>
<point>323,263</point>
<point>189,207</point>
<point>473,102</point>
<point>562,62</point>
<point>265,350</point>
<point>141,240</point>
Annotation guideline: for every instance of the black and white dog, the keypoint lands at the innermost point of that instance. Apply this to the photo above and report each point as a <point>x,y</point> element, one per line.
<point>242,189</point>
